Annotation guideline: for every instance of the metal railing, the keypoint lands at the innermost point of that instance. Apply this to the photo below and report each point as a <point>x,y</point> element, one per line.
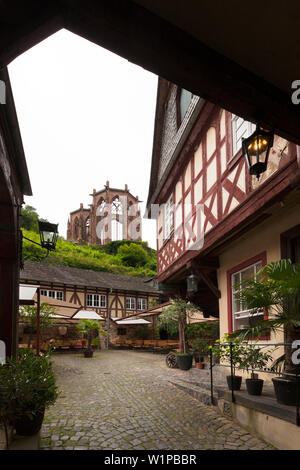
<point>231,365</point>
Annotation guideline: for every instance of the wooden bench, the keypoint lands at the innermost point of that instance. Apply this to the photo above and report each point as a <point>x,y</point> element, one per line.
<point>138,343</point>
<point>149,343</point>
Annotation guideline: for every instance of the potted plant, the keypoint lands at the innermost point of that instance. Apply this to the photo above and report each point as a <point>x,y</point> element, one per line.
<point>254,358</point>
<point>233,355</point>
<point>89,328</point>
<point>96,343</point>
<point>276,288</point>
<point>177,313</point>
<point>28,314</point>
<point>199,348</point>
<point>27,388</point>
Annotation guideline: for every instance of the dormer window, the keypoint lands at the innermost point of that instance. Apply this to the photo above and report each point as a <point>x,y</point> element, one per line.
<point>185,98</point>
<point>168,217</point>
<point>240,129</point>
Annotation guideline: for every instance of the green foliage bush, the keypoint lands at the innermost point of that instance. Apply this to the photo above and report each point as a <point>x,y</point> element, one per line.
<point>205,330</point>
<point>143,332</point>
<point>27,386</point>
<point>133,255</point>
<point>29,218</point>
<point>98,258</point>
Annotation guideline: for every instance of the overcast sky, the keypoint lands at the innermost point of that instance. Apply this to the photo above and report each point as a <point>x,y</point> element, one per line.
<point>86,116</point>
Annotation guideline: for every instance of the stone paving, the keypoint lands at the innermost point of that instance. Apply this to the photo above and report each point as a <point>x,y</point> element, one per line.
<point>122,400</point>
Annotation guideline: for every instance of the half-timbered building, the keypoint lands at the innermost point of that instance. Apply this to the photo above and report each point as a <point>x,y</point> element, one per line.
<point>214,219</point>
<point>104,293</point>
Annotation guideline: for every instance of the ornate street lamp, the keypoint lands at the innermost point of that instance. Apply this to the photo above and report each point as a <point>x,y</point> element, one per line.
<point>256,148</point>
<point>48,236</point>
<point>192,283</point>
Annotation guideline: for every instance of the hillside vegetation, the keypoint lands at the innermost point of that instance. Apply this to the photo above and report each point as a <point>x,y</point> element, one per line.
<point>119,257</point>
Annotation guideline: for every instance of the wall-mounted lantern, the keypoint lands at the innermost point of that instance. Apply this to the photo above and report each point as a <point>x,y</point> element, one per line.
<point>48,237</point>
<point>256,148</point>
<point>192,283</point>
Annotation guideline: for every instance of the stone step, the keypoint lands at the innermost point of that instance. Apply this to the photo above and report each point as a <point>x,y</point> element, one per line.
<point>219,389</point>
<point>196,392</point>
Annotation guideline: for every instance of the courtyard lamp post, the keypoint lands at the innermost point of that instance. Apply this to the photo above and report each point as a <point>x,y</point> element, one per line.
<point>256,148</point>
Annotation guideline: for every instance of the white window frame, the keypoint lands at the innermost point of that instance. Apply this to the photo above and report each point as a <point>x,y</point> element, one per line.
<point>168,217</point>
<point>54,294</point>
<point>246,313</point>
<point>96,300</point>
<point>249,127</point>
<point>130,303</point>
<point>142,303</point>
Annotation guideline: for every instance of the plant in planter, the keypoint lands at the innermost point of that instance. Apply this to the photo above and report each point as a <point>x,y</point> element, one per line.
<point>276,289</point>
<point>28,314</point>
<point>232,355</point>
<point>254,358</point>
<point>96,343</point>
<point>177,313</point>
<point>27,388</point>
<point>199,348</point>
<point>89,328</point>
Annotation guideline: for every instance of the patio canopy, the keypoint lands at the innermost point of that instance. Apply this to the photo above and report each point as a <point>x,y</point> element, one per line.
<point>198,317</point>
<point>133,321</point>
<point>87,315</point>
<point>26,294</point>
<point>62,308</point>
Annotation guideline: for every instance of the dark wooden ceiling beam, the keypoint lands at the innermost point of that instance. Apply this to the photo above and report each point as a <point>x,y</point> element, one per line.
<point>146,39</point>
<point>210,284</point>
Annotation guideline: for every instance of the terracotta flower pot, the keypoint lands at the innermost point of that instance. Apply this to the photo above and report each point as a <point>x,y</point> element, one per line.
<point>199,365</point>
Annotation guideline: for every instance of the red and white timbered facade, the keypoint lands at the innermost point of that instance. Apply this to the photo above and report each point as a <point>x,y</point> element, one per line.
<point>198,169</point>
<point>208,174</point>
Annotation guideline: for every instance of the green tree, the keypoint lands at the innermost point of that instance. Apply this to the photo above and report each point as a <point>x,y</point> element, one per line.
<point>88,328</point>
<point>133,255</point>
<point>177,312</point>
<point>28,314</point>
<point>29,218</point>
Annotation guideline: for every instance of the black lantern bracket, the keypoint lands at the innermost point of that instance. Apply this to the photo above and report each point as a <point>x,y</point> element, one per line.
<point>256,149</point>
<point>48,236</point>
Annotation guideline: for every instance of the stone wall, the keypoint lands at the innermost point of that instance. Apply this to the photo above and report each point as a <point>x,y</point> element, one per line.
<point>131,331</point>
<point>52,332</point>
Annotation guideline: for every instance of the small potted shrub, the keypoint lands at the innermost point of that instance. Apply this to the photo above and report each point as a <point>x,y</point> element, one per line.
<point>176,314</point>
<point>254,358</point>
<point>199,348</point>
<point>184,360</point>
<point>96,343</point>
<point>27,388</point>
<point>234,354</point>
<point>88,328</point>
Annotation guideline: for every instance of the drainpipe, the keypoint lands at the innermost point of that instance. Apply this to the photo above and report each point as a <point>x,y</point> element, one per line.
<point>108,319</point>
<point>38,310</point>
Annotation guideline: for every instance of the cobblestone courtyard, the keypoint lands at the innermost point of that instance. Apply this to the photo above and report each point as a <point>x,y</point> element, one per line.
<point>122,400</point>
